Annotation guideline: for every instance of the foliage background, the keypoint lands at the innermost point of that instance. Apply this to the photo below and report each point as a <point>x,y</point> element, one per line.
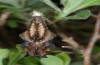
<point>73,17</point>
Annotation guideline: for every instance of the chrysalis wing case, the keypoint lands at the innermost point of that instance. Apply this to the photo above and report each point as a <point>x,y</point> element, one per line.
<point>37,36</point>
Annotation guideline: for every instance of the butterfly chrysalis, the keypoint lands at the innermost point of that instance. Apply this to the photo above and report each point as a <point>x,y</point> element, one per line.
<point>37,36</point>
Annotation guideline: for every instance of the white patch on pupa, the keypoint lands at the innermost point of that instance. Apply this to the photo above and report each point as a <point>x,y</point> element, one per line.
<point>36,13</point>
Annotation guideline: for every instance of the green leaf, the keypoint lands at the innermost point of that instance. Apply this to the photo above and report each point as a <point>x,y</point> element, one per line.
<point>71,4</point>
<point>74,5</point>
<point>87,3</point>
<point>42,7</point>
<point>16,13</point>
<point>79,63</point>
<point>51,60</point>
<point>29,61</point>
<point>12,24</point>
<point>32,2</point>
<point>15,3</point>
<point>65,57</point>
<point>68,8</point>
<point>4,6</point>
<point>15,56</point>
<point>63,2</point>
<point>3,54</point>
<point>51,4</point>
<point>84,14</point>
<point>96,50</point>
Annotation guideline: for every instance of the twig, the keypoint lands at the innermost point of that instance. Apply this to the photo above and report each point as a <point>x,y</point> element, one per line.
<point>72,42</point>
<point>4,16</point>
<point>68,40</point>
<point>65,38</point>
<point>69,47</point>
<point>95,16</point>
<point>99,37</point>
<point>62,51</point>
<point>92,41</point>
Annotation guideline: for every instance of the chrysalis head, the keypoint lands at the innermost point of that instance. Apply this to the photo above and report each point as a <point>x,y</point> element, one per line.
<point>36,13</point>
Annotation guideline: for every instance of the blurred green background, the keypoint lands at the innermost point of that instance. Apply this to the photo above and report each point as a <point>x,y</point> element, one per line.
<point>73,17</point>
